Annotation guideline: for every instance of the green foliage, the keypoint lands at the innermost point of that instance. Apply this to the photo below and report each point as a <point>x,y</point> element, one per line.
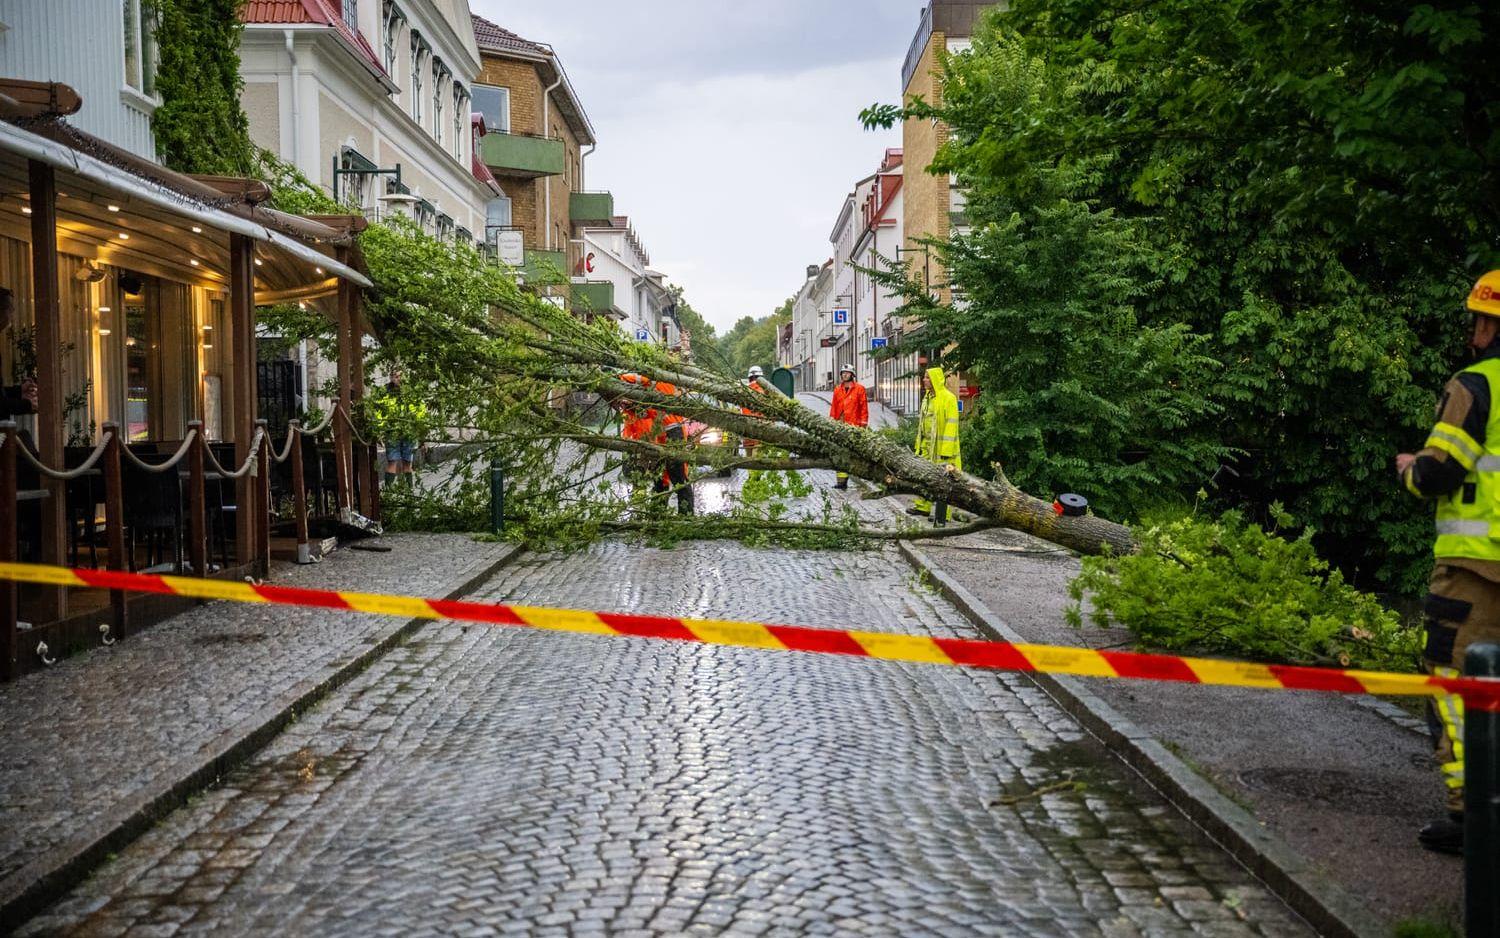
<point>1427,928</point>
<point>1305,191</point>
<point>753,341</point>
<point>458,504</point>
<point>1227,585</point>
<point>706,350</point>
<point>200,126</point>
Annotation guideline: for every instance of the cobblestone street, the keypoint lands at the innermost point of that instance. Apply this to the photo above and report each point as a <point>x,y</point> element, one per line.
<point>484,781</point>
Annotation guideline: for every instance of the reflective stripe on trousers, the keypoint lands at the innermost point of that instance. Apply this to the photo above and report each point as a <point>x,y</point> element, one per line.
<point>1450,710</point>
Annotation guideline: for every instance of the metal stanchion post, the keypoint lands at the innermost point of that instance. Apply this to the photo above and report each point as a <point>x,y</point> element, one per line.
<point>1482,800</point>
<point>497,496</point>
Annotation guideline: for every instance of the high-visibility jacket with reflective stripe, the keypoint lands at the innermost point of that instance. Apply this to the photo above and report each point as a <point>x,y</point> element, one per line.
<point>1468,519</point>
<point>937,427</point>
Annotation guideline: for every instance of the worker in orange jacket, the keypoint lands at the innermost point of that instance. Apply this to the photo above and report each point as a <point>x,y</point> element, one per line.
<point>752,380</point>
<point>851,406</point>
<point>638,421</point>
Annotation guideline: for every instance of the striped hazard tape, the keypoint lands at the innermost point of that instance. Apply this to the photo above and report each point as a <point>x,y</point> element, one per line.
<point>969,653</point>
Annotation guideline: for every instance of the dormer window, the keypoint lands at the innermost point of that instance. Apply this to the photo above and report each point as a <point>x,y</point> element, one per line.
<point>351,15</point>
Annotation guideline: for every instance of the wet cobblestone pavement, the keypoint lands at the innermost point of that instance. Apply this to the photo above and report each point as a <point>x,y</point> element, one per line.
<point>98,726</point>
<point>482,781</point>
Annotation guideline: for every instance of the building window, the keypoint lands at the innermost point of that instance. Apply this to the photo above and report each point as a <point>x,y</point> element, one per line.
<point>494,104</point>
<point>417,55</point>
<point>392,25</point>
<point>351,15</point>
<point>439,72</point>
<point>140,49</point>
<point>497,213</point>
<point>460,117</point>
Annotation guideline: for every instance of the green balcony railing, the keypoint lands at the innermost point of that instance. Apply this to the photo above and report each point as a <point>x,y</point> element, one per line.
<point>591,208</point>
<point>520,155</point>
<point>546,266</point>
<point>597,296</point>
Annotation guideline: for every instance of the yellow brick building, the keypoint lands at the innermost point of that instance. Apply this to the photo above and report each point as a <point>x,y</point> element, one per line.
<point>933,202</point>
<point>537,138</point>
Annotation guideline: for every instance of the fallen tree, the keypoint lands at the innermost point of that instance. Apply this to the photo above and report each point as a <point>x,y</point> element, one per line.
<point>494,361</point>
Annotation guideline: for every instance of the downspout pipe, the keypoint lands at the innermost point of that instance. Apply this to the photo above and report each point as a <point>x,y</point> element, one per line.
<point>547,133</point>
<point>582,165</point>
<point>296,92</point>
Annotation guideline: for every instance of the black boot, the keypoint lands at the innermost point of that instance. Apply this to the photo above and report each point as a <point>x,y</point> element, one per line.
<point>1444,836</point>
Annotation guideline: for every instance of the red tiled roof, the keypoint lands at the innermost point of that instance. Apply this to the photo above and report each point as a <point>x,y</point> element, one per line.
<point>318,12</point>
<point>494,38</point>
<point>476,164</point>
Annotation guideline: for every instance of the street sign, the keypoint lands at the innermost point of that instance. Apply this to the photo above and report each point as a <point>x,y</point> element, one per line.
<point>960,405</point>
<point>841,317</point>
<point>511,246</point>
<point>879,342</point>
<point>643,335</point>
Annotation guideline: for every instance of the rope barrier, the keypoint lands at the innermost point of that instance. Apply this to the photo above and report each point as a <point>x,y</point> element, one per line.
<point>1478,693</point>
<point>327,419</point>
<point>62,475</point>
<point>176,458</point>
<point>349,422</point>
<point>291,440</point>
<point>250,460</point>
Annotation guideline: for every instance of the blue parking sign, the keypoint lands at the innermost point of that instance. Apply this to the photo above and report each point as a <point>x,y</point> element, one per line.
<point>643,335</point>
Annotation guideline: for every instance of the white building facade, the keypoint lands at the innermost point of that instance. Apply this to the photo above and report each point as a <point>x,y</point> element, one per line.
<point>102,49</point>
<point>639,297</point>
<point>351,91</point>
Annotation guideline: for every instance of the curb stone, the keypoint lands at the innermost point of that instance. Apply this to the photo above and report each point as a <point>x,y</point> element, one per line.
<point>1326,906</point>
<point>47,878</point>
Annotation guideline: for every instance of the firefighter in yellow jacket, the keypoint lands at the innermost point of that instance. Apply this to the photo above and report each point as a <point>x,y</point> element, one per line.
<point>937,435</point>
<point>1460,468</point>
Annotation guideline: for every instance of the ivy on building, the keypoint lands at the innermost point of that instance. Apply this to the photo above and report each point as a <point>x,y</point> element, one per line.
<point>200,126</point>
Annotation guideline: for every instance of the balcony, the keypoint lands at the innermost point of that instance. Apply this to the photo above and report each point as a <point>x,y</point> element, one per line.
<point>545,266</point>
<point>596,296</point>
<point>522,156</point>
<point>591,209</point>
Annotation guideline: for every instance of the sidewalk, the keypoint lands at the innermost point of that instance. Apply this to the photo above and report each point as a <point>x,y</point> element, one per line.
<point>1343,781</point>
<point>97,745</point>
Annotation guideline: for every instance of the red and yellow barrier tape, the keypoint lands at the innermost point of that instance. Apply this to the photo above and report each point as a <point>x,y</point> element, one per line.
<point>968,653</point>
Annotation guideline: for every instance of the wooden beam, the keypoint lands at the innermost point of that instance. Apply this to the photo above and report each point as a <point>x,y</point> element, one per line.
<point>348,350</point>
<point>46,295</point>
<point>37,98</point>
<point>252,191</point>
<point>242,377</point>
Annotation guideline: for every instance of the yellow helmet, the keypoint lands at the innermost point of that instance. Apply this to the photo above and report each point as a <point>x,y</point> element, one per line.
<point>1484,299</point>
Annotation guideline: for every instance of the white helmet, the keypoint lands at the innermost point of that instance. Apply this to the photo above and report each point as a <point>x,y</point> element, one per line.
<point>847,370</point>
<point>755,372</point>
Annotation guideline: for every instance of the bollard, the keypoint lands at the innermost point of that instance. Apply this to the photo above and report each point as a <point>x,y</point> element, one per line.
<point>1481,800</point>
<point>497,496</point>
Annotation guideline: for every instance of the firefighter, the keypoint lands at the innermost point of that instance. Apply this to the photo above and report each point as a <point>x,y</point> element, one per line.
<point>1460,468</point>
<point>937,436</point>
<point>752,380</point>
<point>850,406</point>
<point>638,421</point>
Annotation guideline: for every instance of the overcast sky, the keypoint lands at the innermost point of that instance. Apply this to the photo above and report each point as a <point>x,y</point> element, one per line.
<point>728,131</point>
